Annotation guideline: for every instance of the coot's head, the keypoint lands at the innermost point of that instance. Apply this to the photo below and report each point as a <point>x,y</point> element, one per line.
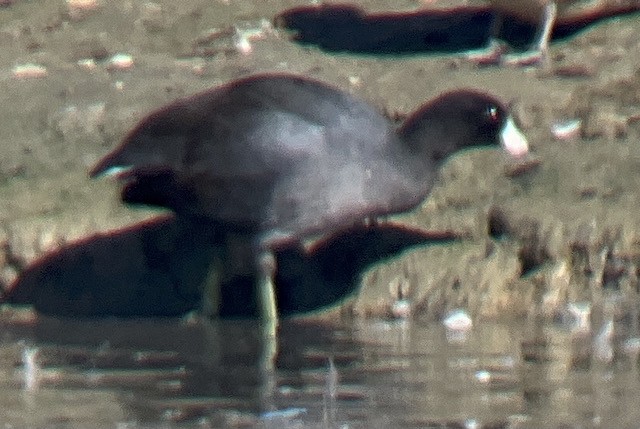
<point>462,119</point>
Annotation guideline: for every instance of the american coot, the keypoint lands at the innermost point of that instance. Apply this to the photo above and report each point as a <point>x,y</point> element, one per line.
<point>540,12</point>
<point>566,11</point>
<point>280,158</point>
<point>546,14</point>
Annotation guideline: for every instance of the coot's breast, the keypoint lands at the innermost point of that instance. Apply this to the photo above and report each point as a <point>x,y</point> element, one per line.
<point>333,193</point>
<point>301,177</point>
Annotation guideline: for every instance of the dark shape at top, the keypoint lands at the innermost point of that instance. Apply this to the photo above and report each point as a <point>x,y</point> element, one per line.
<point>346,28</point>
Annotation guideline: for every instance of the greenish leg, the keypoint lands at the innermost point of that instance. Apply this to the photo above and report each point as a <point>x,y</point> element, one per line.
<point>268,306</point>
<point>210,304</point>
<point>268,320</point>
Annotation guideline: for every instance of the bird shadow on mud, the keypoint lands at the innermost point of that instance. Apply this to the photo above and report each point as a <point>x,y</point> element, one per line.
<point>157,268</point>
<point>347,28</point>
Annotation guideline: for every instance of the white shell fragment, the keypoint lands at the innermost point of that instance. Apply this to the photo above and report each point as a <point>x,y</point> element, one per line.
<point>355,81</point>
<point>78,9</point>
<point>245,34</point>
<point>87,63</point>
<point>28,71</point>
<point>483,376</point>
<point>458,320</point>
<point>580,316</point>
<point>566,130</point>
<point>82,4</point>
<point>120,62</point>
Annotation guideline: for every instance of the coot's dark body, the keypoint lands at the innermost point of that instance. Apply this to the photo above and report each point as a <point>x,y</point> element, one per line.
<point>283,157</point>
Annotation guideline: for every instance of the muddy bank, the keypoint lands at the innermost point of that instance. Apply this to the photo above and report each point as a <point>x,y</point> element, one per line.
<point>570,225</point>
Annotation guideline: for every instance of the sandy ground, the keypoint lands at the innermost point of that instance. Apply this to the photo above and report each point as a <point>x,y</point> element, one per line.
<point>571,223</point>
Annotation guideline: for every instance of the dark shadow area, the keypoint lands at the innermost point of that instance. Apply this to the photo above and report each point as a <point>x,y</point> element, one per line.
<point>331,269</point>
<point>345,28</point>
<point>158,268</point>
<point>151,269</point>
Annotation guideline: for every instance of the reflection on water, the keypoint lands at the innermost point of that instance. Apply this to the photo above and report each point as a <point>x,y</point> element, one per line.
<point>376,374</point>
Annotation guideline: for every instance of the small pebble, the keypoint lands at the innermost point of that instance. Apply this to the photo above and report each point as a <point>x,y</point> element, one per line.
<point>575,71</point>
<point>567,130</point>
<point>245,34</point>
<point>28,71</point>
<point>355,81</point>
<point>120,62</point>
<point>580,313</point>
<point>458,320</point>
<point>483,376</point>
<point>87,63</point>
<point>78,9</point>
<point>472,424</point>
<point>523,166</point>
<point>243,45</point>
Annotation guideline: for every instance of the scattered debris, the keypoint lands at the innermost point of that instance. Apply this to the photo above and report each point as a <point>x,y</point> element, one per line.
<point>88,64</point>
<point>602,343</point>
<point>567,130</point>
<point>458,320</point>
<point>120,62</point>
<point>79,9</point>
<point>29,70</point>
<point>579,319</point>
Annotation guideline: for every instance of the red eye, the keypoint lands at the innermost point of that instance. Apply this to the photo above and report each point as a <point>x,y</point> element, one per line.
<point>493,114</point>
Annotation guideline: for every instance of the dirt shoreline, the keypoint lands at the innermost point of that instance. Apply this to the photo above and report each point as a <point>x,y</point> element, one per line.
<point>573,222</point>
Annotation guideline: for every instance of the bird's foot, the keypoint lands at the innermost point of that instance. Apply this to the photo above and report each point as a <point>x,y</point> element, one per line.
<point>532,58</point>
<point>491,55</point>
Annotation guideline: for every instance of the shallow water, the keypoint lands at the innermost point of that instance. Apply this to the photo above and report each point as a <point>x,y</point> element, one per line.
<point>376,374</point>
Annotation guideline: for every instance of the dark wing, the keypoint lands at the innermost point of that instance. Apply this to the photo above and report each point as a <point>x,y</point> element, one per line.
<point>227,147</point>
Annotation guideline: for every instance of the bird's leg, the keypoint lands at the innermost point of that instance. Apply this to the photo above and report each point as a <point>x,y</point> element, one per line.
<point>210,301</point>
<point>539,51</point>
<point>548,21</point>
<point>268,325</point>
<point>267,305</point>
